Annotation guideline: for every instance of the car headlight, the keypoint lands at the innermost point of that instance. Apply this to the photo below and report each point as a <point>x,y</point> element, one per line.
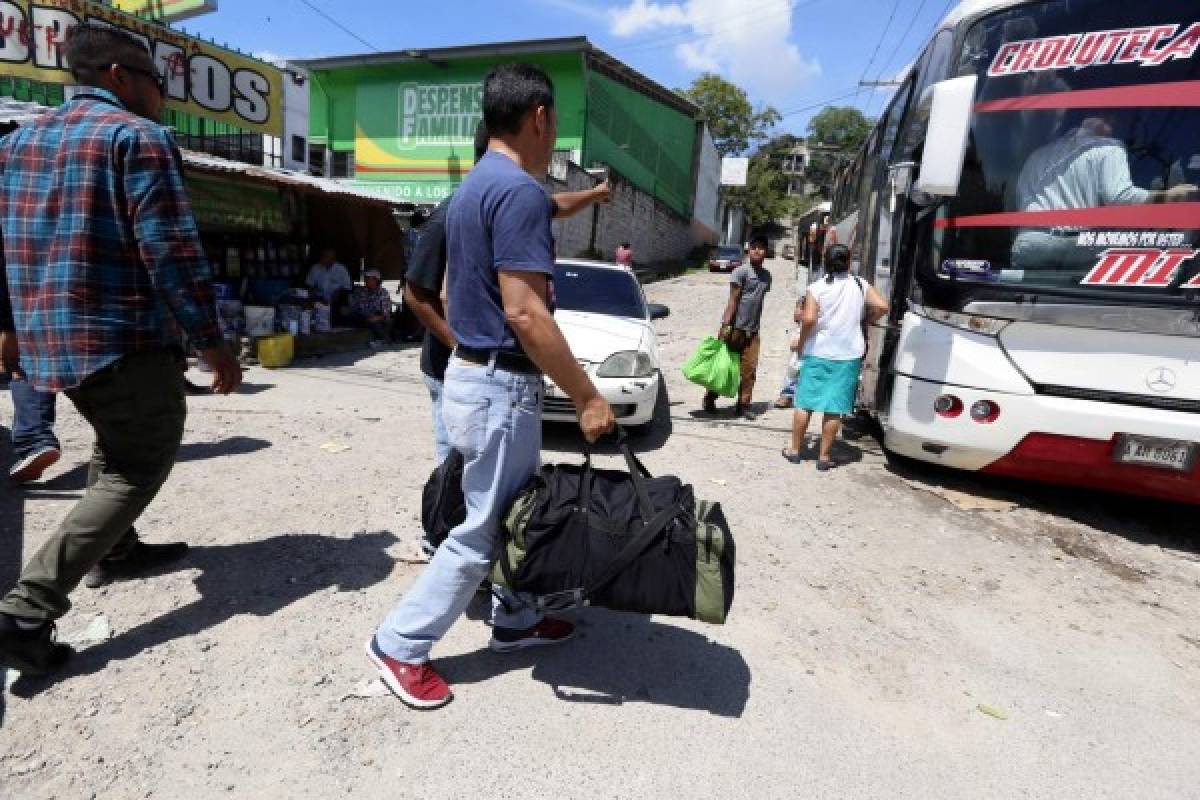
<point>626,364</point>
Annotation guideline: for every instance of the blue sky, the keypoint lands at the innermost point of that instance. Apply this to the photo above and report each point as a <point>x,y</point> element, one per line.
<point>790,54</point>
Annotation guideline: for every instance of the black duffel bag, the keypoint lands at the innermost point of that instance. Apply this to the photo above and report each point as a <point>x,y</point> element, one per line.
<point>626,541</point>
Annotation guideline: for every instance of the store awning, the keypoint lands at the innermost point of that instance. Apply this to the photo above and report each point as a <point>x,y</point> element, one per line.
<point>286,178</point>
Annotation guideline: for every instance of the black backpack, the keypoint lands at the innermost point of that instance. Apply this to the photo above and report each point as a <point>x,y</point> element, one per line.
<point>442,503</point>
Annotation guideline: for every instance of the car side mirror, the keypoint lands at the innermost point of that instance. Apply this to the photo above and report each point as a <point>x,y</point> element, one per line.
<point>658,311</point>
<point>950,105</point>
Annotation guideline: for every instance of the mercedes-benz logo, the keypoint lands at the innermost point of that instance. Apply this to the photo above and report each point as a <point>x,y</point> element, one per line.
<point>1161,379</point>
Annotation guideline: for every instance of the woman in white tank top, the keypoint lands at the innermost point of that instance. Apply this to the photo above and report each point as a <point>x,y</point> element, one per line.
<point>834,312</point>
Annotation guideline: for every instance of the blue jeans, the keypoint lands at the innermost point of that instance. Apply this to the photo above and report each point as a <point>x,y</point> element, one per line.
<point>33,419</point>
<point>494,418</point>
<point>441,439</point>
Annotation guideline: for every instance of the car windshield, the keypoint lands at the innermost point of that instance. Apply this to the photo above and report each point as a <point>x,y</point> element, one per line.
<point>1084,158</point>
<point>598,290</point>
<point>730,253</point>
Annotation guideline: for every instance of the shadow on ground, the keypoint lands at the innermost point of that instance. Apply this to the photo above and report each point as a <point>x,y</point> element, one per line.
<point>625,658</point>
<point>1138,519</point>
<point>233,581</point>
<point>246,387</point>
<point>75,479</point>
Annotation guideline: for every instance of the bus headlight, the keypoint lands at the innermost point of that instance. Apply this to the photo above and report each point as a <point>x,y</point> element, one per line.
<point>626,364</point>
<point>986,326</point>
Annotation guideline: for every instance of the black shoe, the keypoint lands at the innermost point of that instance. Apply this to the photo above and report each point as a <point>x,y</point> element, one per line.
<point>195,388</point>
<point>33,652</point>
<point>142,560</point>
<point>710,405</point>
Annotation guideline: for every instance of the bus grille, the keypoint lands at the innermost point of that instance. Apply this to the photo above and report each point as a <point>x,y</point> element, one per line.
<point>1102,396</point>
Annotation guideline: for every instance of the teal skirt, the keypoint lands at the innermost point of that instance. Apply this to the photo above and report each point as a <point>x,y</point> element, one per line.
<point>828,386</point>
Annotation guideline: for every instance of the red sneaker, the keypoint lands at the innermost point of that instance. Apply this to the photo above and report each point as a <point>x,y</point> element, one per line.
<point>548,631</point>
<point>417,685</point>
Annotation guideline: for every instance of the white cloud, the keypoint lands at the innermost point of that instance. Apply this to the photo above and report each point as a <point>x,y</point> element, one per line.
<point>640,16</point>
<point>271,57</point>
<point>751,47</point>
<point>579,8</point>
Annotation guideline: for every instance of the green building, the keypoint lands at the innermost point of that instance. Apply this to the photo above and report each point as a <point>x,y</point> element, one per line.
<point>403,122</point>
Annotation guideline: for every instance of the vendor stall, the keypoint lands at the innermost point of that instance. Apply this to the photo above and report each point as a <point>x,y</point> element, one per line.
<point>264,227</point>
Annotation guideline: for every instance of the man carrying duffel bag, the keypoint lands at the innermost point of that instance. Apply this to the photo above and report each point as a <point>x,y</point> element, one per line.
<point>500,304</point>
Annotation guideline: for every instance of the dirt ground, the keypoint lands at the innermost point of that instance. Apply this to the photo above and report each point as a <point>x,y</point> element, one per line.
<point>897,631</point>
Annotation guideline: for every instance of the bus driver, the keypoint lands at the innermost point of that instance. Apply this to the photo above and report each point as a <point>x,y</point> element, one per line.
<point>1084,168</point>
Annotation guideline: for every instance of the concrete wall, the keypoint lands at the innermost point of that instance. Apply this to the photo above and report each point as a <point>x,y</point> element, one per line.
<point>655,231</point>
<point>295,116</point>
<point>707,206</point>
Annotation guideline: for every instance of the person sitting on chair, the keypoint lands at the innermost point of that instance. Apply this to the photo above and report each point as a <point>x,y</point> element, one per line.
<point>371,307</point>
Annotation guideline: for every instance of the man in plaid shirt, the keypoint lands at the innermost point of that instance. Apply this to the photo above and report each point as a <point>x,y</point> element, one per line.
<point>100,252</point>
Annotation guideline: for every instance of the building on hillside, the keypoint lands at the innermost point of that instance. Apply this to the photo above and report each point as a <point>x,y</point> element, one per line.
<point>403,123</point>
<point>795,164</point>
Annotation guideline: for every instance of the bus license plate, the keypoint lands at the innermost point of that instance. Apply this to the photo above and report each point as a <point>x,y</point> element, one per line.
<point>1152,452</point>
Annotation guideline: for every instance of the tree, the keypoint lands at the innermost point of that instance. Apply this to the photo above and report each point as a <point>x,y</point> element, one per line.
<point>835,134</point>
<point>843,127</point>
<point>734,123</point>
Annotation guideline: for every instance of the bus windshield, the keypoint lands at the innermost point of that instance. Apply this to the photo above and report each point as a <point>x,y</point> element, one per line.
<point>1083,165</point>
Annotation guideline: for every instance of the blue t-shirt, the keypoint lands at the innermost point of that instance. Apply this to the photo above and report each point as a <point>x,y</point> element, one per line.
<point>499,220</point>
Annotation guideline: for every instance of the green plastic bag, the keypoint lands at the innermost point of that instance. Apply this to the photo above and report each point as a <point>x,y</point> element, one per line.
<point>715,367</point>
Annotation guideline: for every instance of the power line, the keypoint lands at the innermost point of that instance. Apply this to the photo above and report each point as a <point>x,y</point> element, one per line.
<point>818,104</point>
<point>899,43</point>
<point>878,44</point>
<point>332,21</point>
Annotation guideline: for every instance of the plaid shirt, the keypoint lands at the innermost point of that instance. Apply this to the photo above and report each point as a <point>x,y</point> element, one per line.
<point>100,247</point>
<point>366,302</point>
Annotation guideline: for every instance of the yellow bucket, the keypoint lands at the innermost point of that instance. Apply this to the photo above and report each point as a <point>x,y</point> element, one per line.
<point>276,351</point>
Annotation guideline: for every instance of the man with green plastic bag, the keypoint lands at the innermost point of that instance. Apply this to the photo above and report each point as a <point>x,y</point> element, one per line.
<point>748,287</point>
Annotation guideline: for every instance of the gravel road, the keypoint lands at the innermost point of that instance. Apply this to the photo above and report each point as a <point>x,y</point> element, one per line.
<point>897,631</point>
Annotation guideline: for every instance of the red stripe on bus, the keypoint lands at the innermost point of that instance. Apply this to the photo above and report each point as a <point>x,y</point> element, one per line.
<point>1153,216</point>
<point>1179,94</point>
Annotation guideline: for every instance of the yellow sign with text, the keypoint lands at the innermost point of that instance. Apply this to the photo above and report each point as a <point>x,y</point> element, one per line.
<point>201,79</point>
<point>166,10</point>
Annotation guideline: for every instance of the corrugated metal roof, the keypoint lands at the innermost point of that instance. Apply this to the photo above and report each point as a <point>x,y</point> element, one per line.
<point>19,111</point>
<point>568,44</point>
<point>285,177</point>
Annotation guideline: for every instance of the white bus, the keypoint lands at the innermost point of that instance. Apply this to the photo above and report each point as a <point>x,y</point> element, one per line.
<point>1028,202</point>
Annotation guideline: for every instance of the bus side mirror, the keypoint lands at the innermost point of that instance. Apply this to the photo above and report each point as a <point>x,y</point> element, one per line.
<point>950,103</point>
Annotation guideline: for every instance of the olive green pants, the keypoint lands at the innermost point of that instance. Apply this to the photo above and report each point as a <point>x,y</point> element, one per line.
<point>136,407</point>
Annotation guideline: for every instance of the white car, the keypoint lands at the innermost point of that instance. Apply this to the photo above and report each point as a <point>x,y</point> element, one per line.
<point>603,313</point>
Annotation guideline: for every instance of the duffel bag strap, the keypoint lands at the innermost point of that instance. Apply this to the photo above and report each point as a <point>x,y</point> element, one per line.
<point>637,476</point>
<point>631,551</point>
